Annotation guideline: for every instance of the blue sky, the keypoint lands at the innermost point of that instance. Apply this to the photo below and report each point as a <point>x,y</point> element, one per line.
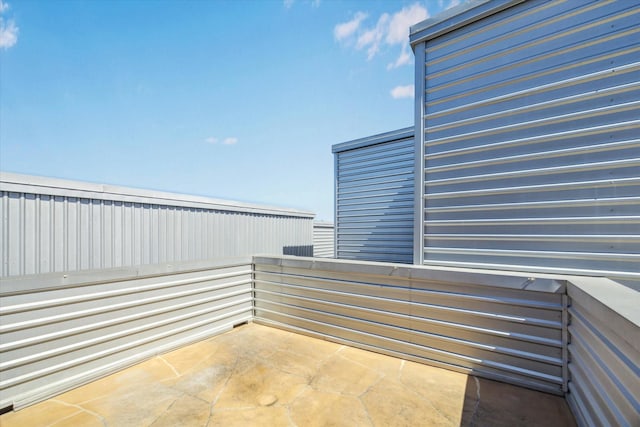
<point>238,100</point>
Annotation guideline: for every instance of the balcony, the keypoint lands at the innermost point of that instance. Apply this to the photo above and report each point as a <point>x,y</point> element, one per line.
<point>304,341</point>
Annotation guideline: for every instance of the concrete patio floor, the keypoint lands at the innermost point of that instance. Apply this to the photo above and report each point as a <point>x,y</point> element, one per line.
<point>260,376</point>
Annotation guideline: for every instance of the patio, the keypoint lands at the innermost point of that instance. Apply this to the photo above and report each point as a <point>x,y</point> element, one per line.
<point>257,375</point>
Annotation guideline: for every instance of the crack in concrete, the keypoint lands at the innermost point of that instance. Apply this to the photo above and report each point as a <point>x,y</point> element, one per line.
<point>82,409</point>
<point>175,371</point>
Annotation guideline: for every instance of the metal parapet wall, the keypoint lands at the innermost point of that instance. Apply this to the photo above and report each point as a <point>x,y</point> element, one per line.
<point>604,353</point>
<point>560,334</point>
<point>59,331</point>
<point>507,327</point>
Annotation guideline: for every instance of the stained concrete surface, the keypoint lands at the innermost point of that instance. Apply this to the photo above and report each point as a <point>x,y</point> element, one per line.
<point>261,376</point>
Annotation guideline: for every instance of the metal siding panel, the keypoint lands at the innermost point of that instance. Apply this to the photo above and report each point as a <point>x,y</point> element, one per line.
<point>45,229</point>
<point>461,321</point>
<point>604,385</point>
<point>65,335</point>
<point>531,155</point>
<point>374,200</point>
<point>323,240</point>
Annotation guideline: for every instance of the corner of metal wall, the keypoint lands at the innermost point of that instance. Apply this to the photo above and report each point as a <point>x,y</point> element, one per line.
<point>418,227</point>
<point>335,205</point>
<point>566,303</point>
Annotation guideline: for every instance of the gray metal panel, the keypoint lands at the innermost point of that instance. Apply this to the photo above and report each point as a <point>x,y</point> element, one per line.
<point>604,386</point>
<point>375,197</point>
<point>323,239</point>
<point>54,225</point>
<point>62,330</point>
<point>500,326</point>
<point>532,156</point>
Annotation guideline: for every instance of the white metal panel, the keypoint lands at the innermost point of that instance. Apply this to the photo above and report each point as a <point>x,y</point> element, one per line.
<point>375,197</point>
<point>530,120</point>
<point>60,330</point>
<point>507,327</point>
<point>53,225</point>
<point>323,239</point>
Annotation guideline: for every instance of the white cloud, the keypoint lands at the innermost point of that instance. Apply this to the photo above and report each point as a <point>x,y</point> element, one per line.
<point>404,58</point>
<point>288,3</point>
<point>391,29</point>
<point>402,20</point>
<point>347,29</point>
<point>373,37</point>
<point>8,29</point>
<point>403,91</point>
<point>315,3</point>
<point>453,3</point>
<point>231,140</point>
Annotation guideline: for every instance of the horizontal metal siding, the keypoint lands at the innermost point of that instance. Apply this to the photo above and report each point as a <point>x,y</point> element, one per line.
<point>60,229</point>
<point>374,201</point>
<point>54,337</point>
<point>532,156</point>
<point>476,323</point>
<point>604,368</point>
<point>323,240</point>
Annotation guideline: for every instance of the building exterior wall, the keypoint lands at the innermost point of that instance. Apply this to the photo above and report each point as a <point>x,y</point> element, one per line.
<point>527,137</point>
<point>374,188</point>
<point>52,225</point>
<point>323,239</point>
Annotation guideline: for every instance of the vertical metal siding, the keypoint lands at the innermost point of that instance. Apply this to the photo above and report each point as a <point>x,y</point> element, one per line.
<point>62,330</point>
<point>374,198</point>
<point>604,386</point>
<point>504,327</point>
<point>323,239</point>
<point>52,225</point>
<point>531,152</point>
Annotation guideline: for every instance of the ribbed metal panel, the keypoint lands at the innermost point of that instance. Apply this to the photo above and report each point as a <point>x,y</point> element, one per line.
<point>504,327</point>
<point>374,197</point>
<point>531,124</point>
<point>323,239</point>
<point>604,350</point>
<point>60,330</point>
<point>53,225</point>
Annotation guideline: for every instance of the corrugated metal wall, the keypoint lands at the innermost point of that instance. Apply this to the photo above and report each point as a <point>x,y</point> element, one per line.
<point>54,225</point>
<point>529,118</point>
<point>604,352</point>
<point>62,330</point>
<point>506,327</point>
<point>375,197</point>
<point>323,239</point>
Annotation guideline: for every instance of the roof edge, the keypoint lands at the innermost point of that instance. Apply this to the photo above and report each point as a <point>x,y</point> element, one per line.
<point>457,17</point>
<point>15,182</point>
<point>380,138</point>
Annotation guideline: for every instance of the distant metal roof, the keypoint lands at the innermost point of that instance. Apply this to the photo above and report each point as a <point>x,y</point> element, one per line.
<point>457,17</point>
<point>62,187</point>
<point>374,139</point>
